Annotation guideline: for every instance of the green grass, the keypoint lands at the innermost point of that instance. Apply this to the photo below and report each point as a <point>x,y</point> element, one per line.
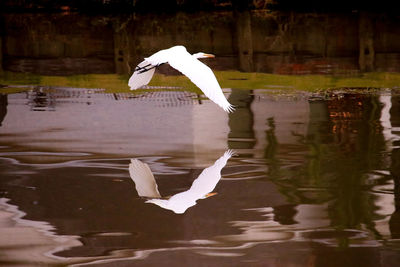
<point>113,83</point>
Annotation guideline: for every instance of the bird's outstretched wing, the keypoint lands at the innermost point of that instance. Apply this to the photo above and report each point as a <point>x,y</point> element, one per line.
<point>199,73</point>
<point>142,75</point>
<point>143,178</point>
<point>202,76</point>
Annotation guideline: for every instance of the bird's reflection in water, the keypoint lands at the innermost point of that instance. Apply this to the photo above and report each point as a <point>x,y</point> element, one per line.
<point>201,188</point>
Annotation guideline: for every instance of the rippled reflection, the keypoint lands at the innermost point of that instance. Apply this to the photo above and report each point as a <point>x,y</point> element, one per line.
<point>314,176</point>
<point>201,188</point>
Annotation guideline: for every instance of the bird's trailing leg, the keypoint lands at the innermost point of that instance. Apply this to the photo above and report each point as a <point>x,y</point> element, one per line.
<point>141,69</point>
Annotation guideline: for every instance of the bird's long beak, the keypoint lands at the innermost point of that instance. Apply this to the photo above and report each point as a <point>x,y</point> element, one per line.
<point>210,194</point>
<point>209,55</point>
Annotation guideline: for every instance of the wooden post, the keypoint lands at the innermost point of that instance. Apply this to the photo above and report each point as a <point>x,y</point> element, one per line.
<point>366,42</point>
<point>244,40</point>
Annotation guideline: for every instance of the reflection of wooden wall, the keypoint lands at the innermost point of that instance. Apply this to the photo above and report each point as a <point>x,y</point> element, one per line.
<point>266,42</point>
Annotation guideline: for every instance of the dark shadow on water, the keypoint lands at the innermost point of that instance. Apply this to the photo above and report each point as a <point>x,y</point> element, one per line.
<point>3,107</point>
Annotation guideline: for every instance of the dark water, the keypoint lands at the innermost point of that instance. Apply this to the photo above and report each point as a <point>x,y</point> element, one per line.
<point>314,180</point>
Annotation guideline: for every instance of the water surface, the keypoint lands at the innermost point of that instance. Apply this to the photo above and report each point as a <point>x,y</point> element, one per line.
<point>312,181</point>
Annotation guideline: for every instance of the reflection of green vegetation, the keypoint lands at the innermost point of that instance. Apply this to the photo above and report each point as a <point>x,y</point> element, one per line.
<point>342,152</point>
<point>228,79</point>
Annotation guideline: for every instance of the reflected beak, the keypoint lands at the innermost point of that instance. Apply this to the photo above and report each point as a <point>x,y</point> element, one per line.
<point>210,195</point>
<point>209,55</point>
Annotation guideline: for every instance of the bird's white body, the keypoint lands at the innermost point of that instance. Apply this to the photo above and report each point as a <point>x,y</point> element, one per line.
<point>178,203</point>
<point>189,65</point>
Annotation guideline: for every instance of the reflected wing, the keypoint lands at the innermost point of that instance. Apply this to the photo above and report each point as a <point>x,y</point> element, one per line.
<point>210,176</point>
<point>180,202</point>
<point>143,178</point>
<point>202,76</point>
<point>142,75</point>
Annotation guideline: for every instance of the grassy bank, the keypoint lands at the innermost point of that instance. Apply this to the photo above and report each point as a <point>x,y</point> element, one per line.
<point>112,83</point>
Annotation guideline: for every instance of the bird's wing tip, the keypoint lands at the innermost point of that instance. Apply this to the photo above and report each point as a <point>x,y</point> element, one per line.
<point>230,152</point>
<point>230,108</point>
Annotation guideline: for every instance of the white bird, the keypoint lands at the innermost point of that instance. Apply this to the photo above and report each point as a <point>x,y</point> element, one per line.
<point>178,57</point>
<point>201,188</point>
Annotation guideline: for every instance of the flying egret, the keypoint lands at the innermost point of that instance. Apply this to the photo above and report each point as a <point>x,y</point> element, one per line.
<point>146,185</point>
<point>177,57</point>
